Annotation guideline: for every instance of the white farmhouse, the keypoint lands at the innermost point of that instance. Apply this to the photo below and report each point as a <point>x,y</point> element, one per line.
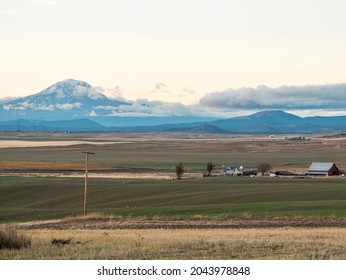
<point>233,170</point>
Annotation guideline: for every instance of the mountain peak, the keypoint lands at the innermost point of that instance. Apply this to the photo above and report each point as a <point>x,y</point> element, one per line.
<point>72,88</point>
<point>271,116</point>
<point>63,100</point>
<point>274,114</point>
<point>71,81</point>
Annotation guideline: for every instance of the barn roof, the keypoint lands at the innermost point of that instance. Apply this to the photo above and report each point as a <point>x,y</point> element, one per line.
<point>234,167</point>
<point>321,166</point>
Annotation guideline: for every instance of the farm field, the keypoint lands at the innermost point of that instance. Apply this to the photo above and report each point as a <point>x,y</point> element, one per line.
<point>139,202</point>
<point>25,199</point>
<point>160,152</point>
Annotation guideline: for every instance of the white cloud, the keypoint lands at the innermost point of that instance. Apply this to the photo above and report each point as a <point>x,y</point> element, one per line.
<point>28,105</point>
<point>45,107</point>
<point>143,107</point>
<point>81,90</point>
<point>310,97</point>
<point>160,90</point>
<point>22,106</point>
<point>107,108</point>
<point>7,107</point>
<point>115,93</point>
<point>68,106</point>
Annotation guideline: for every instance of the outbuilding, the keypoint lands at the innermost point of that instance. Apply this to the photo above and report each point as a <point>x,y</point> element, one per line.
<point>323,168</point>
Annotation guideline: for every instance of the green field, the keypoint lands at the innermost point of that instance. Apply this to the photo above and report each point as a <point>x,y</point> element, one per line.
<point>24,199</point>
<point>32,198</point>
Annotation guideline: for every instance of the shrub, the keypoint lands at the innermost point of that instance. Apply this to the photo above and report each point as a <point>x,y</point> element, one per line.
<point>179,170</point>
<point>60,242</point>
<point>210,167</point>
<point>264,167</point>
<point>11,239</point>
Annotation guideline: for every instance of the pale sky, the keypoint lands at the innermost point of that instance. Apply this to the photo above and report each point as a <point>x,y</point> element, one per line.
<point>171,50</point>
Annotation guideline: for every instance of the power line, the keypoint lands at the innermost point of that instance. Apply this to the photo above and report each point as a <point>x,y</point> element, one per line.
<point>86,180</point>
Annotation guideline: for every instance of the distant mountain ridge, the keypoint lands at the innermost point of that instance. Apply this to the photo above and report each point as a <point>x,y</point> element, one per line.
<point>73,105</point>
<point>76,125</point>
<point>264,122</point>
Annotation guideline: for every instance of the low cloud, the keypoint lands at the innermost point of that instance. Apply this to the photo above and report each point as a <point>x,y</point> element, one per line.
<point>114,93</point>
<point>20,106</point>
<point>82,91</point>
<point>324,97</point>
<point>155,108</point>
<point>68,106</point>
<point>143,107</point>
<point>26,105</point>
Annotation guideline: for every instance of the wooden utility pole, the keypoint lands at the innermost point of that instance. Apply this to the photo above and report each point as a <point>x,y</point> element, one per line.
<point>86,180</point>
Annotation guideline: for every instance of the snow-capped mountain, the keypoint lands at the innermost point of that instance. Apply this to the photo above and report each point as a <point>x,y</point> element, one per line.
<point>64,100</point>
<point>72,105</point>
<point>73,99</point>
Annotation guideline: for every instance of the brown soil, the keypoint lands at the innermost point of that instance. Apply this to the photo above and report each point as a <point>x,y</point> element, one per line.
<point>199,223</point>
<point>30,166</point>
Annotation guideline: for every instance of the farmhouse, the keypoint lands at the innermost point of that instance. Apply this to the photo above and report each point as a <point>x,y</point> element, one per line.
<point>323,168</point>
<point>233,170</point>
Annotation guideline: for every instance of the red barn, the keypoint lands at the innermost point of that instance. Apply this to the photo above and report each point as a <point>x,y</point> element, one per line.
<point>323,168</point>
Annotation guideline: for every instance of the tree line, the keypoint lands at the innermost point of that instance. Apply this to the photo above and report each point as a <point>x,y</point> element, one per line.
<point>209,167</point>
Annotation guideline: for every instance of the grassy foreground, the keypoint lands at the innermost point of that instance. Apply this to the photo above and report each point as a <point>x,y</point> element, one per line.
<point>284,243</point>
<point>24,199</point>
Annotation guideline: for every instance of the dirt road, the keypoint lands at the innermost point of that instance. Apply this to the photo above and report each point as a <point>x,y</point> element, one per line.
<point>201,223</point>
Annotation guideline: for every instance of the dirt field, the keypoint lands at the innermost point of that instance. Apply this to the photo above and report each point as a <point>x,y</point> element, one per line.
<point>277,243</point>
<point>30,144</point>
<point>197,223</point>
<point>153,155</point>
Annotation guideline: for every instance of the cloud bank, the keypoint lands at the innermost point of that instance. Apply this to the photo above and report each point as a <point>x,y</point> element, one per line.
<point>22,106</point>
<point>143,107</point>
<point>311,97</point>
<point>307,100</point>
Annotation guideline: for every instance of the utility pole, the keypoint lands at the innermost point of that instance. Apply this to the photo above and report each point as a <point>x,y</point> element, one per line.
<point>86,180</point>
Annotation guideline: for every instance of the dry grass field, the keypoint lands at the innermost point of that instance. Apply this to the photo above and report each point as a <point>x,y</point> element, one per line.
<point>279,243</point>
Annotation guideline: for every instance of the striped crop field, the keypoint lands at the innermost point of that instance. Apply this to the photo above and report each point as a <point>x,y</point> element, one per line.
<point>30,198</point>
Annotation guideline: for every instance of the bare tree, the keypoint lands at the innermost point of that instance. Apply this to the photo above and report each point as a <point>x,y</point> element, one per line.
<point>209,168</point>
<point>179,170</point>
<point>264,167</point>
